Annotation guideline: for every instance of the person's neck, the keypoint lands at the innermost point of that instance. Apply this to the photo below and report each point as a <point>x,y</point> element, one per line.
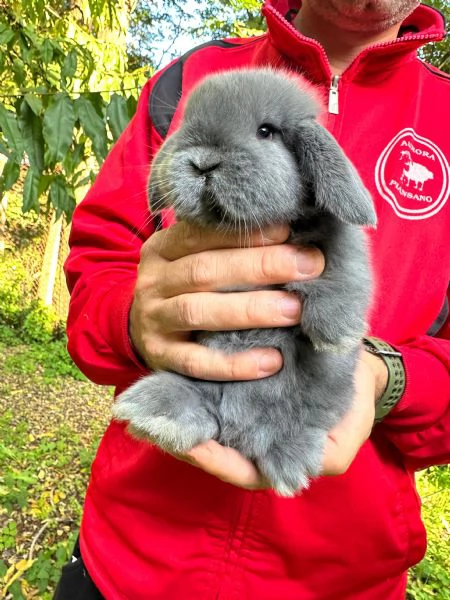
<point>341,47</point>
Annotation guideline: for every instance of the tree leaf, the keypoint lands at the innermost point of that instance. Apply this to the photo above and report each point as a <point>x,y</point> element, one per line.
<point>74,158</point>
<point>11,131</point>
<point>94,127</point>
<point>6,34</point>
<point>60,198</point>
<point>69,67</point>
<point>59,121</point>
<point>46,51</point>
<point>96,99</point>
<point>9,176</point>
<point>31,191</point>
<point>44,183</point>
<point>117,115</point>
<point>18,69</point>
<point>31,128</point>
<point>4,150</point>
<point>34,103</point>
<point>131,106</point>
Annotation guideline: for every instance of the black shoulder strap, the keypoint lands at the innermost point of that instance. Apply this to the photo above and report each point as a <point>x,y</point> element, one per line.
<point>166,92</point>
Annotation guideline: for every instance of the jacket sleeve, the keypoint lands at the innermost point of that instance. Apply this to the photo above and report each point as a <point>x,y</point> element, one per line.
<point>420,424</point>
<point>108,229</point>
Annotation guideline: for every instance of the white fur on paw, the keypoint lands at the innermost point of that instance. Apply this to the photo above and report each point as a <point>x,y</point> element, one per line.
<point>161,430</point>
<point>341,346</point>
<point>287,491</point>
<point>170,434</point>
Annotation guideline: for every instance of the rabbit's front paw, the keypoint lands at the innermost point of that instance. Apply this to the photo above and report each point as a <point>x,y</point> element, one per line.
<point>340,345</point>
<point>167,410</point>
<point>333,330</point>
<point>289,465</point>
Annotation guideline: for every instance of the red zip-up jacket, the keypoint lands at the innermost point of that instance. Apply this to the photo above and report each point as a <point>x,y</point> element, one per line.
<point>156,528</point>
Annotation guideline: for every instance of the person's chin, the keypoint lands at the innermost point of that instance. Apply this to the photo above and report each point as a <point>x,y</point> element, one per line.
<point>364,26</point>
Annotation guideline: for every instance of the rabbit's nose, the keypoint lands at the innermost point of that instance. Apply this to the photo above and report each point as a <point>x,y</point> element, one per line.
<point>205,165</point>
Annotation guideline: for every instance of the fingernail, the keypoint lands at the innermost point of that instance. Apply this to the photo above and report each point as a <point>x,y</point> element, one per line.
<point>268,363</point>
<point>306,262</point>
<point>290,307</point>
<point>276,234</point>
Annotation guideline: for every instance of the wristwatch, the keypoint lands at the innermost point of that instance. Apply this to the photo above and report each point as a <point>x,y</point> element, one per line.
<point>396,375</point>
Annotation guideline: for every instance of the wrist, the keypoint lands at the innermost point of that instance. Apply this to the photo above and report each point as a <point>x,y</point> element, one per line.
<point>379,371</point>
<point>390,375</point>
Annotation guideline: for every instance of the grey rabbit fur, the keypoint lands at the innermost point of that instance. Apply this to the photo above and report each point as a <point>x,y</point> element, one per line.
<point>250,153</point>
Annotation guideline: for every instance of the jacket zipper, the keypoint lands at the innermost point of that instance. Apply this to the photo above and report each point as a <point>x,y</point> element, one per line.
<point>333,96</point>
<point>333,93</point>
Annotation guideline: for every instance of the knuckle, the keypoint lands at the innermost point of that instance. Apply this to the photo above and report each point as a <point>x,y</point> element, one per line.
<point>190,365</point>
<point>145,282</point>
<point>155,351</point>
<point>152,245</point>
<point>266,265</point>
<point>198,271</point>
<point>191,236</point>
<point>252,309</point>
<point>276,262</point>
<point>189,312</point>
<point>148,274</point>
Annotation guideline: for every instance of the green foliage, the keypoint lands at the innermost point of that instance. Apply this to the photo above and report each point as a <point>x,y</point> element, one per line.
<point>28,317</point>
<point>42,479</point>
<point>235,18</point>
<point>51,359</point>
<point>57,67</point>
<point>24,320</point>
<point>439,54</point>
<point>153,22</point>
<point>50,426</point>
<point>13,291</point>
<point>40,324</point>
<point>431,578</point>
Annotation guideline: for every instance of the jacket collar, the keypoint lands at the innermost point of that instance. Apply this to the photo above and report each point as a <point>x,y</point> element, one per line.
<point>424,25</point>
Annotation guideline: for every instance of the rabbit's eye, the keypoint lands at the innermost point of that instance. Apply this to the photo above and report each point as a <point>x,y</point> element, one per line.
<point>266,131</point>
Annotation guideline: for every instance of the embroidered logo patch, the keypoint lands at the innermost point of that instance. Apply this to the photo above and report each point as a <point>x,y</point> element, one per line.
<point>412,174</point>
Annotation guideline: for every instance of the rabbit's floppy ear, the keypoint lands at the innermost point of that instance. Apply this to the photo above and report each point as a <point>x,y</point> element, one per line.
<point>334,181</point>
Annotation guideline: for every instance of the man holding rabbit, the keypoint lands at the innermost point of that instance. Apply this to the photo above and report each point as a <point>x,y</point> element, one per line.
<point>203,525</point>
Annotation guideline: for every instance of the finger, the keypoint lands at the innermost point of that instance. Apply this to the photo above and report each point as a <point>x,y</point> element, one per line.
<point>237,268</point>
<point>224,312</point>
<point>195,360</point>
<point>227,464</point>
<point>184,238</point>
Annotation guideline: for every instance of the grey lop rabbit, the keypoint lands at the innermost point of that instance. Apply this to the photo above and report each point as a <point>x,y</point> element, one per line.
<point>250,153</point>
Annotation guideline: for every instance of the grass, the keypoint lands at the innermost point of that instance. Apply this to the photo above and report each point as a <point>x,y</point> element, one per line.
<point>50,425</point>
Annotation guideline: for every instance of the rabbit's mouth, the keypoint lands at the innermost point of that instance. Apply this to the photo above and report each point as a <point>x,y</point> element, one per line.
<point>214,210</point>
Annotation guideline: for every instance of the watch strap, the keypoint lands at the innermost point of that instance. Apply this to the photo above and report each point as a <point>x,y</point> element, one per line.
<point>396,375</point>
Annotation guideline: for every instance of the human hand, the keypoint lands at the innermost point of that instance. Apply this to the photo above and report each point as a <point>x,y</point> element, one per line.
<point>181,273</point>
<point>343,442</point>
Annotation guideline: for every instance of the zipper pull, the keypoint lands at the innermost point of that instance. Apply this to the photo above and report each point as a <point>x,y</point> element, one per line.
<point>333,99</point>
